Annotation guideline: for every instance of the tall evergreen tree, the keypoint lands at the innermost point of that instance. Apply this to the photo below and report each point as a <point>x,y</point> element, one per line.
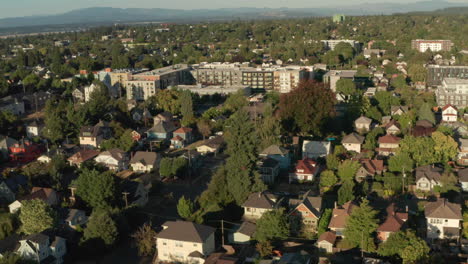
<point>102,227</point>
<point>345,193</point>
<point>425,113</point>
<point>361,225</point>
<point>186,107</point>
<point>95,188</point>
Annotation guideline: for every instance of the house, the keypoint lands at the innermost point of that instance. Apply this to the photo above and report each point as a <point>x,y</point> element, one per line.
<point>369,168</point>
<point>339,216</point>
<point>326,242</point>
<point>279,154</point>
<point>305,214</point>
<point>443,219</point>
<point>363,123</point>
<point>244,234</point>
<point>44,158</point>
<point>259,203</point>
<point>186,133</point>
<point>370,92</point>
<point>161,131</point>
<point>398,110</point>
<point>12,104</point>
<point>46,249</point>
<point>386,120</point>
<point>427,177</point>
<point>5,144</point>
<point>177,142</point>
<point>135,193</point>
<point>10,186</point>
<point>462,157</point>
<point>463,179</point>
<point>388,145</point>
<point>48,195</point>
<point>305,171</point>
<point>353,142</point>
<point>34,129</point>
<point>449,113</point>
<point>185,242</point>
<point>78,95</point>
<point>113,159</point>
<point>269,169</point>
<point>25,151</point>
<point>423,128</point>
<point>145,161</point>
<point>81,156</point>
<point>393,127</point>
<point>76,218</point>
<point>424,123</point>
<point>393,223</point>
<point>92,136</point>
<point>315,149</point>
<point>212,145</point>
<point>137,135</point>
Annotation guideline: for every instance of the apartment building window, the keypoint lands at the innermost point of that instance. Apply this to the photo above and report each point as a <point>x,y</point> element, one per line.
<point>178,244</point>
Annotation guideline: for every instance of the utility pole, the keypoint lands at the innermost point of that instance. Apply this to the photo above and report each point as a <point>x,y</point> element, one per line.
<point>403,179</point>
<point>125,198</point>
<point>222,232</point>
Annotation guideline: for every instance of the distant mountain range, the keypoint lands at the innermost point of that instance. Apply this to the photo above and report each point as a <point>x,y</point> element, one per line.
<point>108,15</point>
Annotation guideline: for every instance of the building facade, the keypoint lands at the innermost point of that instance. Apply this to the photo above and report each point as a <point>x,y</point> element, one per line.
<point>422,45</point>
<point>437,73</point>
<point>453,91</point>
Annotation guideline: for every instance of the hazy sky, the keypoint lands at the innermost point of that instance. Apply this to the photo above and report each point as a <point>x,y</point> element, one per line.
<point>13,8</point>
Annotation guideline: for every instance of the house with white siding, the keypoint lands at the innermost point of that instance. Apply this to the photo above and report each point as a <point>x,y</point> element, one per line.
<point>443,219</point>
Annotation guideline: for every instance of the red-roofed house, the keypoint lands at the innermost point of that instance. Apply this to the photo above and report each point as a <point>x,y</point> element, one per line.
<point>449,113</point>
<point>388,145</point>
<point>369,168</point>
<point>182,137</point>
<point>305,170</point>
<point>82,156</point>
<point>25,151</point>
<point>392,224</point>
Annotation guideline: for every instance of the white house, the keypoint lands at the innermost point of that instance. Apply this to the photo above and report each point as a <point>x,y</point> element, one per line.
<point>427,177</point>
<point>363,123</point>
<point>305,170</point>
<point>113,159</point>
<point>244,234</point>
<point>259,203</point>
<point>34,129</point>
<point>145,161</point>
<point>443,219</point>
<point>449,113</point>
<point>326,242</point>
<point>185,242</point>
<point>353,142</point>
<point>463,179</point>
<point>315,149</point>
<point>40,247</point>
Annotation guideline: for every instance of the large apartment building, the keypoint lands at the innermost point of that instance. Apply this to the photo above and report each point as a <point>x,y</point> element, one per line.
<point>330,44</point>
<point>143,85</point>
<point>229,74</point>
<point>333,76</point>
<point>422,45</point>
<point>287,79</point>
<point>437,73</point>
<point>258,78</point>
<point>453,91</point>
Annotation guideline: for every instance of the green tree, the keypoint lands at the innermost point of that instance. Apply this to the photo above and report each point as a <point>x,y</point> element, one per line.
<point>324,221</point>
<point>417,73</point>
<point>419,149</point>
<point>3,86</point>
<point>7,225</point>
<point>345,192</point>
<point>145,238</point>
<point>347,170</point>
<point>185,208</point>
<point>385,101</point>
<point>165,167</point>
<point>273,225</point>
<point>101,227</point>
<point>168,100</point>
<point>332,161</point>
<point>445,147</point>
<point>346,87</point>
<point>96,189</point>
<point>361,225</point>
<point>179,166</point>
<point>425,113</point>
<point>36,216</point>
<point>400,162</point>
<point>235,101</point>
<point>327,179</point>
<point>186,108</point>
<point>320,102</point>
<point>204,127</point>
<point>405,245</point>
<point>371,138</point>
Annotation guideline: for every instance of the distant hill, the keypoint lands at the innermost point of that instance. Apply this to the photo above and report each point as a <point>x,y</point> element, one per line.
<point>445,11</point>
<point>108,15</point>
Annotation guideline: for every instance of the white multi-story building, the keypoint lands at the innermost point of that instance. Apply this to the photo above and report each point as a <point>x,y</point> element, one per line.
<point>443,219</point>
<point>331,43</point>
<point>88,90</point>
<point>453,91</point>
<point>185,242</point>
<point>287,79</point>
<point>422,45</point>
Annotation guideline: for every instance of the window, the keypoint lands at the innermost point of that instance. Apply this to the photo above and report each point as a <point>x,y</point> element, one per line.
<point>178,244</point>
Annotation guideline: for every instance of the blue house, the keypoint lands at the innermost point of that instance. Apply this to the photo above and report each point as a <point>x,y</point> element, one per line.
<point>279,154</point>
<point>161,131</point>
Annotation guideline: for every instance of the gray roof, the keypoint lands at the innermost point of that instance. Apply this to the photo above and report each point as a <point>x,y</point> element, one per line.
<point>314,204</point>
<point>185,231</point>
<point>115,153</point>
<point>274,150</point>
<point>353,138</point>
<point>463,175</point>
<point>442,208</point>
<point>430,172</point>
<point>163,127</point>
<point>145,157</point>
<point>38,238</point>
<point>264,200</point>
<point>247,228</point>
<point>363,120</point>
<point>317,147</point>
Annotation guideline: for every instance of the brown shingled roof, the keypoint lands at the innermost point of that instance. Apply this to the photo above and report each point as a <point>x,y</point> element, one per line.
<point>389,139</point>
<point>264,200</point>
<point>340,214</point>
<point>328,236</point>
<point>442,208</point>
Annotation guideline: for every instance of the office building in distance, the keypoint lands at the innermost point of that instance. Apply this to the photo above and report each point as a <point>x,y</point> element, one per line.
<point>453,91</point>
<point>331,43</point>
<point>437,73</point>
<point>422,45</point>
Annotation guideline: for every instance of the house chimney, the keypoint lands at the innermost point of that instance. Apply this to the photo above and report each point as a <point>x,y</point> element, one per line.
<point>406,209</point>
<point>336,205</point>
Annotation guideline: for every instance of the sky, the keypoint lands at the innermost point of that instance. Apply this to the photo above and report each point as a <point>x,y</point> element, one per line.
<point>18,8</point>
